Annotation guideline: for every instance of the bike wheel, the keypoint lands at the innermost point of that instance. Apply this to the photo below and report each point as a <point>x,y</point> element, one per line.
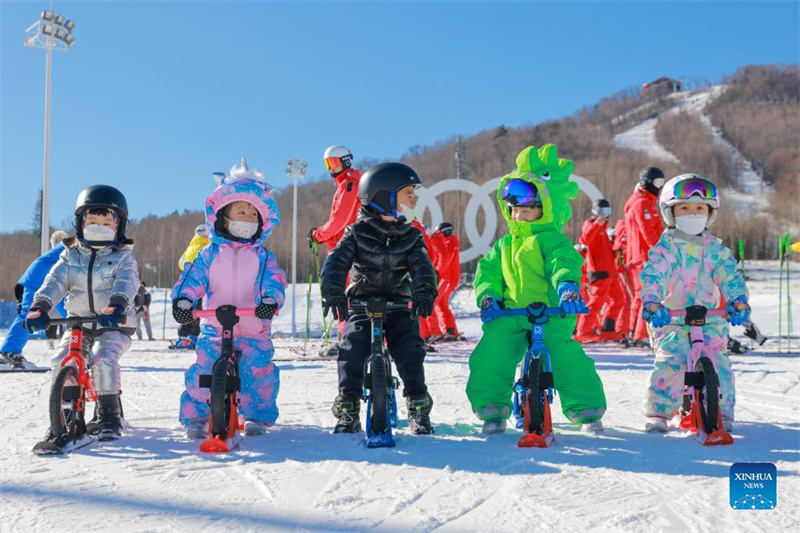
<point>378,394</point>
<point>708,400</point>
<point>66,395</point>
<point>533,404</point>
<point>220,398</point>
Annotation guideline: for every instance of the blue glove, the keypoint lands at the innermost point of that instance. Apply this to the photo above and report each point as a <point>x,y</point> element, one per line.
<point>655,313</point>
<point>571,301</point>
<point>738,311</point>
<point>37,324</point>
<point>491,308</point>
<point>112,320</point>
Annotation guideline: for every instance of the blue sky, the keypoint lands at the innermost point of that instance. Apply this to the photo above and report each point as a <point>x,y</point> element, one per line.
<point>155,96</point>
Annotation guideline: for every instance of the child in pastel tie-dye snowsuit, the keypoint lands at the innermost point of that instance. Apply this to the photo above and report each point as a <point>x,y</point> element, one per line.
<point>685,269</point>
<point>241,272</point>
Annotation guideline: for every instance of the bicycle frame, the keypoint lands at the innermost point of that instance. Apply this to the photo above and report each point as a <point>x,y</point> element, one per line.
<point>376,308</point>
<point>695,317</point>
<point>226,440</point>
<point>75,357</point>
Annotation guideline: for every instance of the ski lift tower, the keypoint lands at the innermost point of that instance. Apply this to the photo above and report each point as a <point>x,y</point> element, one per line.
<point>51,32</point>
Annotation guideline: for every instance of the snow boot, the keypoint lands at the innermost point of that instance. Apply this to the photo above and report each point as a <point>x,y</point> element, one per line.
<point>109,417</point>
<point>609,331</point>
<point>429,347</point>
<point>735,346</point>
<point>346,409</point>
<point>330,351</point>
<point>655,424</point>
<point>254,428</point>
<point>751,331</point>
<point>197,428</point>
<point>592,427</point>
<point>50,445</point>
<point>419,410</point>
<point>494,426</point>
<point>16,360</point>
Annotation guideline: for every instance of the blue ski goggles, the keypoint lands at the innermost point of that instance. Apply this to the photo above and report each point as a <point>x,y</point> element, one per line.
<point>521,193</point>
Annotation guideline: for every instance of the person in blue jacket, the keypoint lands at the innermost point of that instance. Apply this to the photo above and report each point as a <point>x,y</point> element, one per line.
<point>31,280</point>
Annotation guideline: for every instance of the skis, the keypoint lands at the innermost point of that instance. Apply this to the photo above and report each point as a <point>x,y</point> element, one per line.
<point>6,369</point>
<point>46,447</point>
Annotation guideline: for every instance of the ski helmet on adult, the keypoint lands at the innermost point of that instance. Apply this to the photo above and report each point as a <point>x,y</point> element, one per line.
<point>652,179</point>
<point>445,228</point>
<point>337,159</point>
<point>378,187</point>
<point>690,188</point>
<point>601,208</point>
<point>102,197</point>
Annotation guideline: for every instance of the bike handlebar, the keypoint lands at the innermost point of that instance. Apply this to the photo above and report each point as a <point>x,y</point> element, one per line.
<point>73,320</point>
<point>212,313</point>
<point>677,313</point>
<point>359,305</point>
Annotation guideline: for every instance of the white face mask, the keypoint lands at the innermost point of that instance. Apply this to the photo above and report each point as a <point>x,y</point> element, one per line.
<point>691,224</point>
<point>242,230</point>
<point>97,233</point>
<point>408,212</point>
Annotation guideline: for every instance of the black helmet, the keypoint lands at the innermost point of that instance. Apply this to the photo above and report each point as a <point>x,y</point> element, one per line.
<point>378,186</point>
<point>445,228</point>
<point>599,204</point>
<point>652,179</point>
<point>102,196</point>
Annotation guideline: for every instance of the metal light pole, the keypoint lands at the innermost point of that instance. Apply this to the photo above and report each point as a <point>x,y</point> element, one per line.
<point>296,170</point>
<point>51,32</point>
<point>459,155</point>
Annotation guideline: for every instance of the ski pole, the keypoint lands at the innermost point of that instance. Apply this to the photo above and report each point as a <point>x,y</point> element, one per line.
<point>787,254</point>
<point>780,292</point>
<point>741,258</point>
<point>164,318</point>
<point>325,327</point>
<point>308,299</point>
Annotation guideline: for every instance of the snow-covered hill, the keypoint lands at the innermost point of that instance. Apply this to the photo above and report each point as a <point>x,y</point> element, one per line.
<point>751,193</point>
<point>301,477</point>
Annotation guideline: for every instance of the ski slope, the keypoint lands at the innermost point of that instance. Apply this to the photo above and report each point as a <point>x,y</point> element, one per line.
<point>301,477</point>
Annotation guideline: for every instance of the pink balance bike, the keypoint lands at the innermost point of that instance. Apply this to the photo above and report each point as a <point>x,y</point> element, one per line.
<point>700,411</point>
<point>224,383</point>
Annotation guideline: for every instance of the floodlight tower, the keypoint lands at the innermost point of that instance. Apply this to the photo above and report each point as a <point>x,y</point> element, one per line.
<point>51,32</point>
<point>296,170</point>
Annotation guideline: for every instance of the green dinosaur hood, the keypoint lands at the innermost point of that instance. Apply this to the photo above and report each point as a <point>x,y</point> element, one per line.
<point>550,174</point>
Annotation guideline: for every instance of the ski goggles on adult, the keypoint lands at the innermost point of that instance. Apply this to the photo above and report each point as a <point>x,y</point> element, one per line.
<point>659,182</point>
<point>695,187</point>
<point>603,212</point>
<point>521,193</point>
<point>333,163</point>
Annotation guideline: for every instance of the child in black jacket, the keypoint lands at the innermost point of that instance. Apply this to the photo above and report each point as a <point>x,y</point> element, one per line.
<point>388,259</point>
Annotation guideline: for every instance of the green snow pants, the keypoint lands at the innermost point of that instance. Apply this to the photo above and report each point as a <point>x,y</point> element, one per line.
<point>492,369</point>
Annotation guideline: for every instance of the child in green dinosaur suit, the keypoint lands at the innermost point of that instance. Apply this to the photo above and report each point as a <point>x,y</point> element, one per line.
<point>535,262</point>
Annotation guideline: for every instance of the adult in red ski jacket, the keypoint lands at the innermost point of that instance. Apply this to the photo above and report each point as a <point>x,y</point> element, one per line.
<point>606,299</point>
<point>428,326</point>
<point>642,230</point>
<point>586,321</point>
<point>338,161</point>
<point>617,237</point>
<point>344,210</point>
<point>447,263</point>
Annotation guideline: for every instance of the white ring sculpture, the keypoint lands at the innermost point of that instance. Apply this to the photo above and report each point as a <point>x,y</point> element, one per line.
<point>482,196</point>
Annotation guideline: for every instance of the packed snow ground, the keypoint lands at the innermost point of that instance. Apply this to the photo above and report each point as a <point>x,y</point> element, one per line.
<point>300,476</point>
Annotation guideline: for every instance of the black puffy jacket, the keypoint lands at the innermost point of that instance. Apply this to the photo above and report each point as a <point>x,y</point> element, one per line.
<point>388,259</point>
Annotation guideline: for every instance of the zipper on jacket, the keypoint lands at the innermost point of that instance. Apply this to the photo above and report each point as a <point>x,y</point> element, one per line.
<point>89,284</point>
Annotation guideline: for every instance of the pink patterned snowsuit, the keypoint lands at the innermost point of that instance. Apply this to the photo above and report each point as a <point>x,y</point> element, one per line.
<point>684,270</point>
<point>228,272</point>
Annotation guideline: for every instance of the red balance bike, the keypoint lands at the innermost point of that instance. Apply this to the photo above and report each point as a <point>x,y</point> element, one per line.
<point>72,388</point>
<point>224,384</point>
<point>700,411</point>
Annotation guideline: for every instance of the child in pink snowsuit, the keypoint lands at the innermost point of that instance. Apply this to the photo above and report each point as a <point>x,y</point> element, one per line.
<point>235,269</point>
<point>688,266</point>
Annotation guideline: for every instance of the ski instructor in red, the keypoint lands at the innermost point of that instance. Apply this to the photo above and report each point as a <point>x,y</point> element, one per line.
<point>338,160</point>
<point>642,230</point>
